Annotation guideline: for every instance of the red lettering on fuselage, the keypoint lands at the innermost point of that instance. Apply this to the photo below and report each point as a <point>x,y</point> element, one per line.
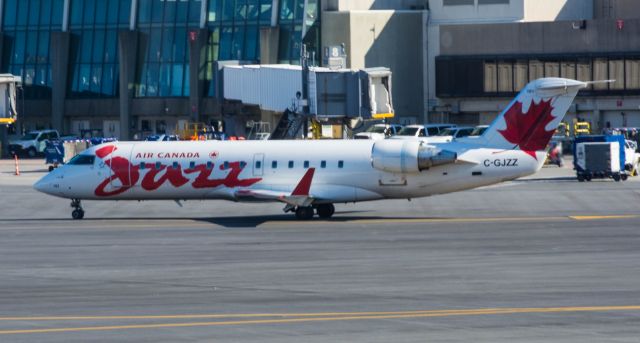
<point>127,175</point>
<point>121,170</point>
<point>174,175</point>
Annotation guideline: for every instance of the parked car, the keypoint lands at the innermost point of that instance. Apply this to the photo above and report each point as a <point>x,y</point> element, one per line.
<point>379,131</point>
<point>162,138</point>
<point>33,143</point>
<point>447,135</point>
<point>428,130</point>
<point>479,130</point>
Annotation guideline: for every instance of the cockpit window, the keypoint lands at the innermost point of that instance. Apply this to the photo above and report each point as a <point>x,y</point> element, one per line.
<point>82,160</point>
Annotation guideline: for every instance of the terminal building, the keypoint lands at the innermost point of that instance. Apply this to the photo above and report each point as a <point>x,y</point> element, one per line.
<point>128,68</point>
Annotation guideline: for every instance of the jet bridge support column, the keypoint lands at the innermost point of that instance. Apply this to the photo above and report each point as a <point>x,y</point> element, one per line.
<point>60,42</point>
<point>127,53</point>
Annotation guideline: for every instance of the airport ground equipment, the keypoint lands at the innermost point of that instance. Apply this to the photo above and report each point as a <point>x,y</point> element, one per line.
<point>8,110</point>
<point>599,157</point>
<point>59,152</point>
<point>33,142</point>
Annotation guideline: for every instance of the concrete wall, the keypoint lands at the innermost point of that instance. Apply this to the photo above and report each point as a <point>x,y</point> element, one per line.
<point>441,14</point>
<point>539,38</point>
<point>550,10</point>
<point>357,5</point>
<point>516,10</point>
<point>616,9</point>
<point>390,39</point>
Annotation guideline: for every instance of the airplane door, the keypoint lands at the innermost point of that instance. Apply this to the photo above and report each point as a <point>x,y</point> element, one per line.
<point>258,164</point>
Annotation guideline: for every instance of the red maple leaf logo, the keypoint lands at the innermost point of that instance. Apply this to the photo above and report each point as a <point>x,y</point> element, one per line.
<point>527,130</point>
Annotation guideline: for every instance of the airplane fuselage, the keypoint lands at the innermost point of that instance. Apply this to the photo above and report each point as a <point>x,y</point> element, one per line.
<point>218,169</point>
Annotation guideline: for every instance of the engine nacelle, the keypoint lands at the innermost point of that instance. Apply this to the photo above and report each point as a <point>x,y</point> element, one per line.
<point>408,156</point>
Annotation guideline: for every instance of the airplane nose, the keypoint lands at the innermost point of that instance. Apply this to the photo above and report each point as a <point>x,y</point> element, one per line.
<point>44,185</point>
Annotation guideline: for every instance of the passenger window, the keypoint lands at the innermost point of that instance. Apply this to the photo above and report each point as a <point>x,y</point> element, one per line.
<point>323,164</point>
<point>175,165</point>
<point>290,164</point>
<point>243,164</point>
<point>192,164</point>
<point>142,165</point>
<point>340,164</point>
<point>226,165</point>
<point>274,164</point>
<point>209,165</point>
<point>158,165</point>
<point>258,164</point>
<point>306,164</point>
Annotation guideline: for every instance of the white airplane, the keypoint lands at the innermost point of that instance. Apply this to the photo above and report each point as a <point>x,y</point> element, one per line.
<point>309,176</point>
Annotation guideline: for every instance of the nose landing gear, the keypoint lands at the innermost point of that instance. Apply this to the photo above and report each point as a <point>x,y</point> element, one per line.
<point>78,212</point>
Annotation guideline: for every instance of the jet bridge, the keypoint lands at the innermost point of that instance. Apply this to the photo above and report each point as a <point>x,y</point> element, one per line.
<point>8,85</point>
<point>333,93</point>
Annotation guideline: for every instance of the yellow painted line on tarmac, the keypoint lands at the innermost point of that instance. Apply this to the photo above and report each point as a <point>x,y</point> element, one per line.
<point>311,317</point>
<point>631,216</point>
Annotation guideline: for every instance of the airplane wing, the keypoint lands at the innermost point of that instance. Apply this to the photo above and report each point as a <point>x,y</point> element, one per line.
<point>299,197</point>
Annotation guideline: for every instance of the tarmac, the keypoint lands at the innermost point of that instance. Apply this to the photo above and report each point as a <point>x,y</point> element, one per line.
<point>540,259</point>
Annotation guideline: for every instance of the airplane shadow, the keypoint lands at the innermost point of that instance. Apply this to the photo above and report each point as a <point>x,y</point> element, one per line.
<point>548,179</point>
<point>233,221</point>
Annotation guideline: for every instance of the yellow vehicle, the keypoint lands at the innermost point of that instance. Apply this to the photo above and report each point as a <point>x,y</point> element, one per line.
<point>581,128</point>
<point>562,129</point>
<point>191,131</point>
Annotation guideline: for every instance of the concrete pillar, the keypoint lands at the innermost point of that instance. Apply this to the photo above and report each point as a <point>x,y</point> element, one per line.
<point>4,140</point>
<point>127,56</point>
<point>197,71</point>
<point>59,55</point>
<point>269,41</point>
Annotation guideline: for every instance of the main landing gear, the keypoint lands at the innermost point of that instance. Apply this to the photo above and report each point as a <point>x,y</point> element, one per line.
<point>307,212</point>
<point>78,212</point>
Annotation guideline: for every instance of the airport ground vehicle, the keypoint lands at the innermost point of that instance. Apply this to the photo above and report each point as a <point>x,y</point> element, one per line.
<point>427,130</point>
<point>600,156</point>
<point>162,138</point>
<point>33,142</point>
<point>379,131</point>
<point>450,134</point>
<point>309,176</point>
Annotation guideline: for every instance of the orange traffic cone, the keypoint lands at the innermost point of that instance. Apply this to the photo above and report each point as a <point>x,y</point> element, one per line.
<point>17,165</point>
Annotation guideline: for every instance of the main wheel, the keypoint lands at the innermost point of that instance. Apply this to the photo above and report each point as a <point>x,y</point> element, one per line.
<point>587,176</point>
<point>77,214</point>
<point>580,177</point>
<point>624,177</point>
<point>304,213</point>
<point>325,210</point>
<point>616,177</point>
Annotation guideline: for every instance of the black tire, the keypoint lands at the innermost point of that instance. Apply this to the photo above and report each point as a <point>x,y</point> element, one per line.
<point>77,214</point>
<point>580,177</point>
<point>51,168</point>
<point>304,213</point>
<point>587,176</point>
<point>325,210</point>
<point>32,152</point>
<point>616,177</point>
<point>623,177</point>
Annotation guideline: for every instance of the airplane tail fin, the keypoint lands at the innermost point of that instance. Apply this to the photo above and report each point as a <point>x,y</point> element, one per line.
<point>529,121</point>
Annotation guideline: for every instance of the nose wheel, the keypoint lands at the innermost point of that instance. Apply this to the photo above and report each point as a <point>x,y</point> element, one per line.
<point>78,212</point>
